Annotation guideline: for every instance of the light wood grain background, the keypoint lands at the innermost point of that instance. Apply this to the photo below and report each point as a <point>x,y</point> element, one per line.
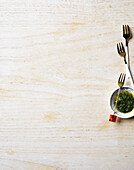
<point>58,68</point>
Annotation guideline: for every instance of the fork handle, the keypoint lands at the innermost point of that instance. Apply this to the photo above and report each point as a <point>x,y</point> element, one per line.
<point>127,42</point>
<point>127,55</point>
<point>128,70</point>
<point>129,73</point>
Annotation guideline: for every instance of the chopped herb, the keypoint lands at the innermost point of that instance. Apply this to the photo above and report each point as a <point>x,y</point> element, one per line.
<point>125,102</point>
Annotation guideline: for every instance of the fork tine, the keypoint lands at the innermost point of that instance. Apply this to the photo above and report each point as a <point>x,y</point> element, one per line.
<point>120,77</point>
<point>128,29</point>
<point>118,48</point>
<point>124,78</point>
<point>123,49</point>
<point>123,30</point>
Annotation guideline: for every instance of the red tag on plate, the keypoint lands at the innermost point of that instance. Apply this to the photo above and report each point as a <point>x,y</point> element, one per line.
<point>112,118</point>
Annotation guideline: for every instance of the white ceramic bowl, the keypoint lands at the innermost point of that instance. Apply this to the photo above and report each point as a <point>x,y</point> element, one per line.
<point>117,113</point>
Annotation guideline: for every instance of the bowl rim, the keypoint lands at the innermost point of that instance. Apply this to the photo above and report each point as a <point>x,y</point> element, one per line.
<point>117,113</point>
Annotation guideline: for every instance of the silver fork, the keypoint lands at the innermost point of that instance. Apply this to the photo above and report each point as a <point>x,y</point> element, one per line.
<point>121,82</point>
<point>126,35</point>
<point>122,53</point>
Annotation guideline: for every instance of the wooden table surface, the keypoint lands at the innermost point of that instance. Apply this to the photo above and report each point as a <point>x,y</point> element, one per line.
<point>58,69</point>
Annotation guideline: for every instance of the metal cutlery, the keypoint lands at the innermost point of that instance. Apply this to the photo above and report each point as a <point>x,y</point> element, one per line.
<point>122,53</point>
<point>121,82</point>
<point>126,35</point>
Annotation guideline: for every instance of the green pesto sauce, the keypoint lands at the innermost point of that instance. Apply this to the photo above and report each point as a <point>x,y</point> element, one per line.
<point>125,102</point>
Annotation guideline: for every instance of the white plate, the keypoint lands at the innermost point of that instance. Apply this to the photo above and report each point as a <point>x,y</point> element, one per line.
<point>117,113</point>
